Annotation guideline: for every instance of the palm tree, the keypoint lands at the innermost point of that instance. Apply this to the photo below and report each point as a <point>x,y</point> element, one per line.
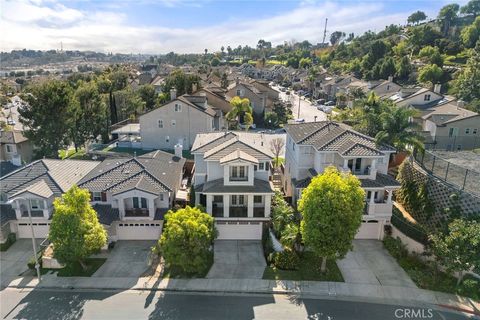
<point>241,110</point>
<point>291,237</point>
<point>398,129</point>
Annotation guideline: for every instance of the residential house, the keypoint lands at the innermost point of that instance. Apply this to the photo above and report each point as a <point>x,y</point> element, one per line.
<point>131,195</point>
<point>36,185</point>
<point>178,122</point>
<point>15,147</point>
<point>313,146</point>
<point>263,86</point>
<point>232,181</point>
<point>451,127</point>
<point>258,99</point>
<point>418,98</point>
<point>158,83</point>
<point>333,85</point>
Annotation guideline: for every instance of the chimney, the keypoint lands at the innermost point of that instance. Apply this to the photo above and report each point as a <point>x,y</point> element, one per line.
<point>390,78</point>
<point>437,88</point>
<point>194,87</point>
<point>237,80</point>
<point>460,104</point>
<point>178,150</point>
<point>173,94</point>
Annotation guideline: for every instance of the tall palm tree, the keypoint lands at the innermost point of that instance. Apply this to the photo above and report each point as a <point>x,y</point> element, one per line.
<point>399,130</point>
<point>241,111</point>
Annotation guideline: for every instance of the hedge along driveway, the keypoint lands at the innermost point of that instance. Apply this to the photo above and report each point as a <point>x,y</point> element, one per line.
<point>370,263</point>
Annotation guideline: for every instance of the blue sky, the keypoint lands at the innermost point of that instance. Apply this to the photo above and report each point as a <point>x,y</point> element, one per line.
<point>160,26</point>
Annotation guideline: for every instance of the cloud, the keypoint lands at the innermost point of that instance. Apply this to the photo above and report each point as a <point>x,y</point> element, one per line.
<point>45,25</point>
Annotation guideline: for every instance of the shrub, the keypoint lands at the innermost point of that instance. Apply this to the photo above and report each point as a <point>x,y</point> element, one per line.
<point>286,260</point>
<point>11,238</point>
<point>395,247</point>
<point>31,261</point>
<point>267,243</point>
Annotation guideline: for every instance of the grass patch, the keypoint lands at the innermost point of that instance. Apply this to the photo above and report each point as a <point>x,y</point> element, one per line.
<point>174,272</point>
<point>76,270</point>
<point>426,276</point>
<point>309,270</point>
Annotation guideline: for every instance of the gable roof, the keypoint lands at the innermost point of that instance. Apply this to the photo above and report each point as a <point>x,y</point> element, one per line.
<point>154,172</point>
<point>238,155</point>
<point>448,112</point>
<point>334,136</point>
<point>58,175</point>
<point>207,110</point>
<point>39,188</point>
<point>13,137</point>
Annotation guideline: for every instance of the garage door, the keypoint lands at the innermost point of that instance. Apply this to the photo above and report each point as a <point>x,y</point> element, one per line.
<point>369,230</point>
<point>40,230</point>
<point>239,230</point>
<point>139,231</point>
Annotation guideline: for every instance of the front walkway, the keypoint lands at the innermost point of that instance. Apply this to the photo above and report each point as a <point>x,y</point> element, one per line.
<point>237,259</point>
<point>370,263</point>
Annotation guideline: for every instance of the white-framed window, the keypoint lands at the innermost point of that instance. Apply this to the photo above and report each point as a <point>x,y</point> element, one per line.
<point>453,132</point>
<point>467,130</point>
<point>261,166</point>
<point>237,200</point>
<point>257,199</point>
<point>427,97</point>
<point>161,196</point>
<point>160,123</point>
<point>10,148</point>
<point>167,139</point>
<point>474,131</point>
<point>36,204</point>
<point>238,173</point>
<point>239,92</point>
<point>178,107</point>
<point>174,123</point>
<point>97,196</point>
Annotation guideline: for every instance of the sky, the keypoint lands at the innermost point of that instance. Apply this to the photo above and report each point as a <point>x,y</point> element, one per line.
<point>184,26</point>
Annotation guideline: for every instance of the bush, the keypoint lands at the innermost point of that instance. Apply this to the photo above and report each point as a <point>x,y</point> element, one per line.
<point>286,260</point>
<point>31,261</point>
<point>11,238</point>
<point>267,243</point>
<point>395,247</point>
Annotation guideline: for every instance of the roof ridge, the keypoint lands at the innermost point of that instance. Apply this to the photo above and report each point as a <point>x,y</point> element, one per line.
<point>219,137</point>
<point>108,171</point>
<point>325,124</point>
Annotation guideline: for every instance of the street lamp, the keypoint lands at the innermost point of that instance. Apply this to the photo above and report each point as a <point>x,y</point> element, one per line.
<point>37,265</point>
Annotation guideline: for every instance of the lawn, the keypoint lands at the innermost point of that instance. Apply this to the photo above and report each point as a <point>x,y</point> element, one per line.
<point>426,277</point>
<point>309,270</point>
<point>176,273</point>
<point>76,270</point>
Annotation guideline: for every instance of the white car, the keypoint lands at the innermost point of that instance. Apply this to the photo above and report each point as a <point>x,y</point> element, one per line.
<point>11,122</point>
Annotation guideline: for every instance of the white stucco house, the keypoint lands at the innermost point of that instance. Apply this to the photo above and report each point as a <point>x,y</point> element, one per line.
<point>313,146</point>
<point>232,181</point>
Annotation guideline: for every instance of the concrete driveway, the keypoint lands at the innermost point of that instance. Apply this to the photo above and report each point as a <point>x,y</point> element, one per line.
<point>127,259</point>
<point>14,261</point>
<point>237,259</point>
<point>370,263</point>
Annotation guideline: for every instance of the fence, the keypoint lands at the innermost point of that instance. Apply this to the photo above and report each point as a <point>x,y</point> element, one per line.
<point>455,142</point>
<point>408,228</point>
<point>463,178</point>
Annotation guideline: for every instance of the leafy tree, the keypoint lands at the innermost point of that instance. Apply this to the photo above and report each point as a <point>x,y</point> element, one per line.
<point>283,113</point>
<point>471,34</point>
<point>305,63</point>
<point>336,37</point>
<point>388,68</point>
<point>398,130</point>
<point>46,116</point>
<point>468,82</point>
<point>182,82</point>
<point>241,112</point>
<point>431,55</point>
<point>447,15</point>
<point>224,81</point>
<point>430,73</point>
<point>404,68</point>
<point>148,95</point>
<point>271,120</point>
<point>215,62</point>
<point>472,7</point>
<point>458,250</point>
<point>282,213</point>
<point>332,208</point>
<point>417,17</point>
<point>75,231</point>
<point>186,239</point>
<point>291,236</point>
<point>129,103</point>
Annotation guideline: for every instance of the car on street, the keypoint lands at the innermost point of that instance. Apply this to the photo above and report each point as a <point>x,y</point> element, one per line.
<point>326,109</point>
<point>329,103</point>
<point>11,122</point>
<point>301,120</point>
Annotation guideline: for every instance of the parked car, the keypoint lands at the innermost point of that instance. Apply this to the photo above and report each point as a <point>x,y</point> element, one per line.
<point>326,109</point>
<point>329,103</point>
<point>320,101</point>
<point>301,120</point>
<point>307,95</point>
<point>11,122</point>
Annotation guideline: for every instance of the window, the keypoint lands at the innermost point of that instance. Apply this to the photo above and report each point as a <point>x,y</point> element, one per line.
<point>474,131</point>
<point>36,204</point>
<point>97,196</point>
<point>167,139</point>
<point>467,130</point>
<point>255,168</point>
<point>239,92</point>
<point>257,199</point>
<point>427,97</point>
<point>453,132</point>
<point>388,87</point>
<point>242,172</point>
<point>160,123</point>
<point>238,173</point>
<point>9,148</point>
<point>178,107</point>
<point>161,196</point>
<point>174,123</point>
<point>358,164</point>
<point>139,202</point>
<point>261,166</point>
<point>218,199</point>
<point>241,200</point>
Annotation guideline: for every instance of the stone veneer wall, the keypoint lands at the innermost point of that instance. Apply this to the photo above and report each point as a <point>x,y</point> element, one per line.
<point>439,193</point>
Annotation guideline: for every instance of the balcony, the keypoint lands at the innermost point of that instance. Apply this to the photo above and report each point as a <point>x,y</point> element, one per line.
<point>238,212</point>
<point>259,212</point>
<point>136,212</point>
<point>35,213</point>
<point>244,178</point>
<point>217,211</point>
<point>380,208</point>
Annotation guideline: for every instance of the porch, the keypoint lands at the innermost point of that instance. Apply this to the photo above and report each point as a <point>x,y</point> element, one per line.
<point>378,203</point>
<point>239,206</point>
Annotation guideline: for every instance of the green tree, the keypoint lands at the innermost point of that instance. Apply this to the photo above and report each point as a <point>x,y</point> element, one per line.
<point>75,231</point>
<point>271,120</point>
<point>448,15</point>
<point>387,68</point>
<point>472,7</point>
<point>46,116</point>
<point>224,81</point>
<point>336,37</point>
<point>417,17</point>
<point>305,63</point>
<point>404,68</point>
<point>215,62</point>
<point>241,112</point>
<point>459,249</point>
<point>332,208</point>
<point>468,81</point>
<point>129,103</point>
<point>186,239</point>
<point>181,81</point>
<point>148,95</point>
<point>398,130</point>
<point>430,74</point>
<point>471,34</point>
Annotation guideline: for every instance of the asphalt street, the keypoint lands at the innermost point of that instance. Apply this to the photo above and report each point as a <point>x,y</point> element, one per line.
<point>69,304</point>
<point>307,112</point>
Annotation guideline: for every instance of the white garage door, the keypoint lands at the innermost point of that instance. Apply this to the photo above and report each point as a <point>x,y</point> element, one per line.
<point>369,230</point>
<point>239,231</point>
<point>40,229</point>
<point>139,231</point>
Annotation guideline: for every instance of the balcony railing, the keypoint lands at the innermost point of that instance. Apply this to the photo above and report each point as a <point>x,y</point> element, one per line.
<point>217,212</point>
<point>238,212</point>
<point>259,212</point>
<point>245,178</point>
<point>136,212</point>
<point>35,213</point>
<point>378,208</point>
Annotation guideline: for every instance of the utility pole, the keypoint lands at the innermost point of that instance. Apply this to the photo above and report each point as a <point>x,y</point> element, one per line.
<point>325,31</point>
<point>299,103</point>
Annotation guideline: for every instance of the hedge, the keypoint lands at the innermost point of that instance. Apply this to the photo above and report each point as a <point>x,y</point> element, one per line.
<point>408,228</point>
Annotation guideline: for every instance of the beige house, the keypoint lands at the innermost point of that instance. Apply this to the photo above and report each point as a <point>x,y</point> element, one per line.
<point>258,99</point>
<point>15,147</point>
<point>419,98</point>
<point>451,127</point>
<point>178,122</point>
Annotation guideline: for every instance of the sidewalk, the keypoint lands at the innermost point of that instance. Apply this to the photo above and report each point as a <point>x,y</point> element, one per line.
<point>255,286</point>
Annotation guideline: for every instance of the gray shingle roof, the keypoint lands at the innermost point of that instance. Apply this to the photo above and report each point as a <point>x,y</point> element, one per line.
<point>382,181</point>
<point>106,214</point>
<point>39,188</point>
<point>217,186</point>
<point>238,154</point>
<point>153,172</point>
<point>6,167</point>
<point>338,137</point>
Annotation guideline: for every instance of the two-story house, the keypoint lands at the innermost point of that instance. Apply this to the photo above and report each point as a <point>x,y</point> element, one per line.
<point>178,122</point>
<point>232,181</point>
<point>258,99</point>
<point>131,195</point>
<point>313,146</point>
<point>15,147</point>
<point>34,187</point>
